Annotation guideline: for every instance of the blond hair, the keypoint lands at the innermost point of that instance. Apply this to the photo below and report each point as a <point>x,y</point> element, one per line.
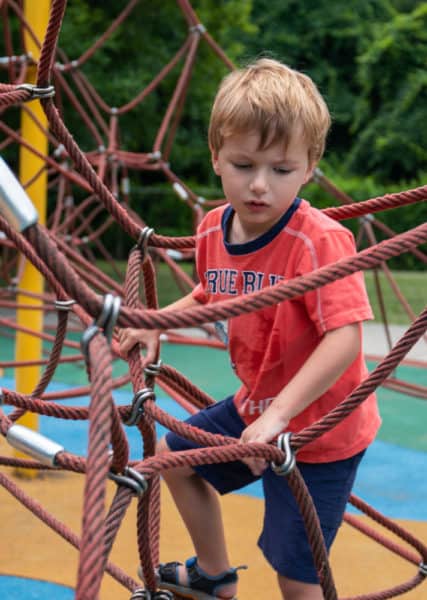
<point>272,99</point>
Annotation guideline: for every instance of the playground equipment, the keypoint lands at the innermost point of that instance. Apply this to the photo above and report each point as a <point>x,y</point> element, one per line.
<point>61,253</point>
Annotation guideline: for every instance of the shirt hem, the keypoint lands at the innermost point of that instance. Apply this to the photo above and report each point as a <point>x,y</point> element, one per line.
<point>313,455</point>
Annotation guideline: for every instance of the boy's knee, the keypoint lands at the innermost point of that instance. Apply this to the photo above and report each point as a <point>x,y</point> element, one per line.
<point>162,446</point>
<point>299,590</point>
<point>172,474</point>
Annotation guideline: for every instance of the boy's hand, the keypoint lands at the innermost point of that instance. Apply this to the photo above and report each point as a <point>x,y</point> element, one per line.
<point>148,338</point>
<point>267,427</point>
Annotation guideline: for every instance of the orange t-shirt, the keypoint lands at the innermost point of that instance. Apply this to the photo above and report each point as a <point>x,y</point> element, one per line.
<point>269,346</point>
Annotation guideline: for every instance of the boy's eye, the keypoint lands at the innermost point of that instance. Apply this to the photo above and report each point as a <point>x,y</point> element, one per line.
<point>281,170</point>
<point>241,165</point>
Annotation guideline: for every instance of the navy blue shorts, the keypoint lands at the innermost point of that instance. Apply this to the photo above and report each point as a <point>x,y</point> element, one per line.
<point>283,539</point>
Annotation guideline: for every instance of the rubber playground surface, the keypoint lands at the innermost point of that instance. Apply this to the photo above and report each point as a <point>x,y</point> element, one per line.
<point>36,563</point>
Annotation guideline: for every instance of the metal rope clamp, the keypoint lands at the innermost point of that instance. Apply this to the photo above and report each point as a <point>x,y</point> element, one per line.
<point>138,405</point>
<point>142,242</point>
<point>423,569</point>
<point>106,321</point>
<point>132,479</point>
<point>37,92</point>
<point>142,594</point>
<point>284,444</point>
<point>87,337</point>
<point>64,305</point>
<point>154,368</point>
<point>199,28</point>
<point>108,317</point>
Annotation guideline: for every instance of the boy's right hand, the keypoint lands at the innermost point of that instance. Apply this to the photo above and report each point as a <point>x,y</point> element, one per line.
<point>148,338</point>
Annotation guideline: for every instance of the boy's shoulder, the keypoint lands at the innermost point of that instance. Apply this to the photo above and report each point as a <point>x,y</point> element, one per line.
<point>212,220</point>
<point>315,223</point>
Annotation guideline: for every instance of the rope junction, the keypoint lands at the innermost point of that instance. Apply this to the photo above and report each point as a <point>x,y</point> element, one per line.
<point>88,301</point>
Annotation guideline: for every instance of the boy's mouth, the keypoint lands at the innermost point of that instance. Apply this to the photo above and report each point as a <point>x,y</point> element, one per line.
<point>255,205</point>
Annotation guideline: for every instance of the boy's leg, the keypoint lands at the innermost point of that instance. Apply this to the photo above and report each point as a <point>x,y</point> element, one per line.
<point>198,505</point>
<point>284,539</point>
<point>298,590</point>
<point>195,491</point>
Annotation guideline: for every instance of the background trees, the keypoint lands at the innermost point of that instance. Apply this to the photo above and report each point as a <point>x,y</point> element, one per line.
<point>368,57</point>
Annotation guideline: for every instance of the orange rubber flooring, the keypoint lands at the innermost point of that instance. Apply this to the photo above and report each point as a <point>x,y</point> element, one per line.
<point>30,549</point>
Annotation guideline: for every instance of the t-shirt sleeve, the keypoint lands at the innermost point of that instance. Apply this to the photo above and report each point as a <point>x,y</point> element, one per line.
<point>198,292</point>
<point>343,301</point>
<point>199,295</point>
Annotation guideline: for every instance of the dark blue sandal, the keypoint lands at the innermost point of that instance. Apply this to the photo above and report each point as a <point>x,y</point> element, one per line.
<point>201,586</point>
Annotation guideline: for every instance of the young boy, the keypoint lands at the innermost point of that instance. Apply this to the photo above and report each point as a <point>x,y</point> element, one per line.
<point>296,360</point>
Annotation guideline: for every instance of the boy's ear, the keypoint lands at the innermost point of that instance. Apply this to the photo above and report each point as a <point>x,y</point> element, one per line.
<point>214,160</point>
<point>310,172</point>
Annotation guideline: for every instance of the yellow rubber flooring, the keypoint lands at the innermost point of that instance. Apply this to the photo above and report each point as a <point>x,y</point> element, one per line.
<point>30,549</point>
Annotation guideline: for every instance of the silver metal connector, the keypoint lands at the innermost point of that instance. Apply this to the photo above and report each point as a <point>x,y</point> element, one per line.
<point>36,445</point>
<point>15,205</point>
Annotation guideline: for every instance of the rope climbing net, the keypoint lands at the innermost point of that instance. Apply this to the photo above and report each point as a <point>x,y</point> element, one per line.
<point>61,252</point>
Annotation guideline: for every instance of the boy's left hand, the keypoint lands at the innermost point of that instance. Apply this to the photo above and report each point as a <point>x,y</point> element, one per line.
<point>267,427</point>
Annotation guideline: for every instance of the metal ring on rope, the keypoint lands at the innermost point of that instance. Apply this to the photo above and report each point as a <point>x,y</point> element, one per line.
<point>284,444</point>
<point>138,405</point>
<point>132,479</point>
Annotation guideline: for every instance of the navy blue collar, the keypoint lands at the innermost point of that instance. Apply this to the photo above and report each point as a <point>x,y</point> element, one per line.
<point>263,239</point>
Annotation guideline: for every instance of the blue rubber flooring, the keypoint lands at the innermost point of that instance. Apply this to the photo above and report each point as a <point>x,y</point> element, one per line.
<point>32,589</point>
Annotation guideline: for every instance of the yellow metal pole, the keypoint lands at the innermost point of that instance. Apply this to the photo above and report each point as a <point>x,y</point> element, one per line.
<point>27,346</point>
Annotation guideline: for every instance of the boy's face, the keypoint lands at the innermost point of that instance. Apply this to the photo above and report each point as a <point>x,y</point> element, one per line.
<point>260,184</point>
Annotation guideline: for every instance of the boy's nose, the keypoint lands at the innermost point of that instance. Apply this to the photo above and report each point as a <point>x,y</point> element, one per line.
<point>258,184</point>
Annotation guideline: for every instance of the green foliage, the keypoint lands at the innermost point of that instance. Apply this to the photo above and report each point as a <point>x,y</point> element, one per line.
<point>136,53</point>
<point>412,285</point>
<point>127,62</point>
<point>360,188</point>
<point>369,59</point>
<point>390,120</point>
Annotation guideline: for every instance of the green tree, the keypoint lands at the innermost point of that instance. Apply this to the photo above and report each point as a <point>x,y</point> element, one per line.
<point>369,59</point>
<point>136,53</point>
<point>127,62</point>
<point>390,125</point>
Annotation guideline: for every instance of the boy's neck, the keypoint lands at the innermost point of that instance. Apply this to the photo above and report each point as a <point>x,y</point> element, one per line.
<point>237,234</point>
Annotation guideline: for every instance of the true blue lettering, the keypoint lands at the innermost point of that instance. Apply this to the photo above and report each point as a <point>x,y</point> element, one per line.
<point>230,282</point>
<point>221,281</point>
<point>252,281</point>
<point>273,279</point>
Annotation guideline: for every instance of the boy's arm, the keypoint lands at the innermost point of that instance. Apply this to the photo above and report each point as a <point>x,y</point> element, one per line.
<point>149,338</point>
<point>334,354</point>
